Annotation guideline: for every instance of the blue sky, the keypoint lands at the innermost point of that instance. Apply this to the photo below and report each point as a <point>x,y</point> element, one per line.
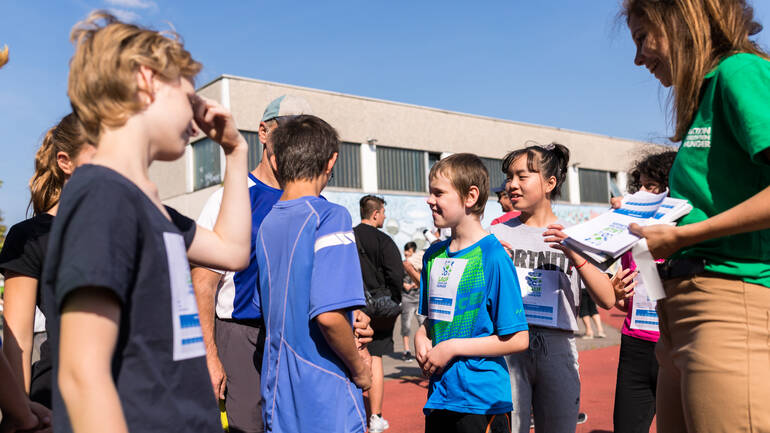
<point>558,63</point>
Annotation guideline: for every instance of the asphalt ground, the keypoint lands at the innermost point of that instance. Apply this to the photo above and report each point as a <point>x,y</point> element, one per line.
<point>406,390</point>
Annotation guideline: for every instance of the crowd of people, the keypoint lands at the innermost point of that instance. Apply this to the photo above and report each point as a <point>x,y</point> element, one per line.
<point>272,312</point>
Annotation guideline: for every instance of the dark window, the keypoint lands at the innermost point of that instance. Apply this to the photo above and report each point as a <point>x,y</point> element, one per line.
<point>594,186</point>
<point>400,169</point>
<point>255,148</point>
<point>496,176</point>
<point>347,171</point>
<point>207,164</point>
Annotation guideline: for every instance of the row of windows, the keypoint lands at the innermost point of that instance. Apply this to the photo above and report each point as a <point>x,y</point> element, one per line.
<point>397,169</point>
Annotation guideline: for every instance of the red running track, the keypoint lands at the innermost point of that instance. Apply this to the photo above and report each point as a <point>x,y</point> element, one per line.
<point>405,397</point>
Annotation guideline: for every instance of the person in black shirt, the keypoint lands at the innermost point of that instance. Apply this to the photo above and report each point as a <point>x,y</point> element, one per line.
<point>21,259</point>
<point>128,348</point>
<point>388,271</point>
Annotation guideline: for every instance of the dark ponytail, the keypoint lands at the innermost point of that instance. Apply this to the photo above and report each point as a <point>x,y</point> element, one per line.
<point>47,182</point>
<point>549,160</point>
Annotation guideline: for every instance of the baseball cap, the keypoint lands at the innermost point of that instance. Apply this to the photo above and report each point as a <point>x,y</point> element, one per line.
<point>286,105</point>
<point>500,188</point>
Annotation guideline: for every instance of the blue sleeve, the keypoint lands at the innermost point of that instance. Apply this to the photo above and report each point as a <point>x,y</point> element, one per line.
<point>336,281</point>
<point>506,308</point>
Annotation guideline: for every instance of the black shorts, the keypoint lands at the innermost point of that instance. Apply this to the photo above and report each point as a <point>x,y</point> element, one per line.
<point>587,304</point>
<point>446,421</point>
<point>382,343</point>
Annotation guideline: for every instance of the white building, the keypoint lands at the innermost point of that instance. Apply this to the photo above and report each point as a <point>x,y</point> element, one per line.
<point>388,148</point>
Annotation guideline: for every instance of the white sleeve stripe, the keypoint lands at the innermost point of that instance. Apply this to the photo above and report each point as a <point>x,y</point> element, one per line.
<point>330,240</point>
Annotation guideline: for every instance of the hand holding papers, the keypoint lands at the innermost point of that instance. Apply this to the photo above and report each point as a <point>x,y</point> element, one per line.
<point>605,238</point>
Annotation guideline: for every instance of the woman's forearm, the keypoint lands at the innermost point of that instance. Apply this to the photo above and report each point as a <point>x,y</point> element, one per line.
<point>750,215</point>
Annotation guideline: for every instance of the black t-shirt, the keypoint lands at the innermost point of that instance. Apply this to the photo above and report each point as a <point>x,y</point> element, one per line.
<point>109,234</point>
<point>25,246</point>
<point>383,253</point>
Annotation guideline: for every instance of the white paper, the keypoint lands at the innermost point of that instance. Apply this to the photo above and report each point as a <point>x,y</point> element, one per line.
<point>643,314</point>
<point>539,295</point>
<point>445,274</point>
<point>188,336</point>
<point>648,269</point>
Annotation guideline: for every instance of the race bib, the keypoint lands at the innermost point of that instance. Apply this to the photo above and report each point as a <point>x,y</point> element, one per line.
<point>445,274</point>
<point>539,294</point>
<point>643,314</point>
<point>188,337</point>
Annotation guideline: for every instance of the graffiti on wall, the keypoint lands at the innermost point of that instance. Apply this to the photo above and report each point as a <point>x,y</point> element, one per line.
<point>408,216</point>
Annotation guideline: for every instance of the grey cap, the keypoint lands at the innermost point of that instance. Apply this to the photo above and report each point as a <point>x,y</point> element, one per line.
<point>286,105</point>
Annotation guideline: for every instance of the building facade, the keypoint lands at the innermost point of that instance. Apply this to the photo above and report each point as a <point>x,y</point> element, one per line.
<point>388,149</point>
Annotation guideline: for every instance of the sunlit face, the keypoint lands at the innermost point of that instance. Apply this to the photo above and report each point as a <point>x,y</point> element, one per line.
<point>379,217</point>
<point>526,189</point>
<point>650,185</point>
<point>651,49</point>
<point>408,253</point>
<point>170,117</point>
<point>445,203</point>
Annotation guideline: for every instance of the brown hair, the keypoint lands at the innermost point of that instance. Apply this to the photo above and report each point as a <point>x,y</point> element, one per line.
<point>102,82</point>
<point>700,33</point>
<point>368,204</point>
<point>47,182</point>
<point>4,56</point>
<point>303,146</point>
<point>465,170</point>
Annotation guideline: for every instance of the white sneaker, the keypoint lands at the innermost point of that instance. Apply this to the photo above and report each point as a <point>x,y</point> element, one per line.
<point>377,424</point>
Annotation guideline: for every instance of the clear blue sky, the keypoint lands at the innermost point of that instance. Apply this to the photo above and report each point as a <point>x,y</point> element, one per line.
<point>559,63</point>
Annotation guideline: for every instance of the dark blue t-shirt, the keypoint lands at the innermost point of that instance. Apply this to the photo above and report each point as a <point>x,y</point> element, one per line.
<point>109,234</point>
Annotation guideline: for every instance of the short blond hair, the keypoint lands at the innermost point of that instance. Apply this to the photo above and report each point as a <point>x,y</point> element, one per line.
<point>102,82</point>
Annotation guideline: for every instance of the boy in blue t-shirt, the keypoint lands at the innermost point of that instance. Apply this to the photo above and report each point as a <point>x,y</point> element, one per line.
<point>470,293</point>
<point>309,284</point>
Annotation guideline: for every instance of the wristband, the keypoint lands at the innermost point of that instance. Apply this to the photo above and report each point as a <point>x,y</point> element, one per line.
<point>582,264</point>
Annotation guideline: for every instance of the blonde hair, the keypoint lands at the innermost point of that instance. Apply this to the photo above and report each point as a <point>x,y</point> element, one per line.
<point>700,33</point>
<point>102,85</point>
<point>4,56</point>
<point>46,184</point>
<point>465,170</point>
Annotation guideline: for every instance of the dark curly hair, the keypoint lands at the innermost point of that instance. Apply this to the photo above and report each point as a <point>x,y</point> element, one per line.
<point>655,166</point>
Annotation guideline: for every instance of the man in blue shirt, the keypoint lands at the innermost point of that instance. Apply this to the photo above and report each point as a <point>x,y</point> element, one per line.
<point>309,285</point>
<point>232,332</point>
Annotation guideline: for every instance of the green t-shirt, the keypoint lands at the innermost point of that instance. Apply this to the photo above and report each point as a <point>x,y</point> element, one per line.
<point>720,163</point>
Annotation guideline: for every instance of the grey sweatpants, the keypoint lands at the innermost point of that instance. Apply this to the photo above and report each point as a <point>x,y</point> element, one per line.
<point>240,348</point>
<point>545,382</point>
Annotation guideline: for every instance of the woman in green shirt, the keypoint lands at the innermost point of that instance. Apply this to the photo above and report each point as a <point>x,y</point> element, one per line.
<point>714,349</point>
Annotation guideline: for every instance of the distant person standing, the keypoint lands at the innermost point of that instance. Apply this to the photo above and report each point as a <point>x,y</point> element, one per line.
<point>381,269</point>
<point>505,203</point>
<point>410,297</point>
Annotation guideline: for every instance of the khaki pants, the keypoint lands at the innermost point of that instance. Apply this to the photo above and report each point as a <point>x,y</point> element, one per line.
<point>714,355</point>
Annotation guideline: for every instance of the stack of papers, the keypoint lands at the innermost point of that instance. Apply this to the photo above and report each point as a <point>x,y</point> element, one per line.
<point>605,238</point>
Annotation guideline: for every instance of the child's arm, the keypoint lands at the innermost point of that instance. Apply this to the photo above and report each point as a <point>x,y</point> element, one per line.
<point>422,344</point>
<point>19,325</point>
<point>227,246</point>
<point>491,345</point>
<point>337,331</point>
<point>597,283</point>
<point>89,331</point>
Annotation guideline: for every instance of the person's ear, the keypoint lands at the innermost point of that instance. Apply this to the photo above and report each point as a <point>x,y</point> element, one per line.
<point>65,163</point>
<point>472,197</point>
<point>550,184</point>
<point>262,132</point>
<point>330,164</point>
<point>146,85</point>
